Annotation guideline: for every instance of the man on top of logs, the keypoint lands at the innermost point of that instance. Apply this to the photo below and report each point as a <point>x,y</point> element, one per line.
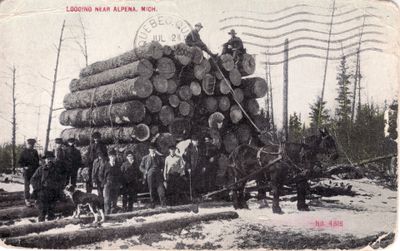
<point>234,46</point>
<point>193,39</point>
<point>93,149</point>
<point>29,161</point>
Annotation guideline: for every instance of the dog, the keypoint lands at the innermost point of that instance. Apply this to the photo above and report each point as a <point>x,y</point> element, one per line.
<point>80,199</point>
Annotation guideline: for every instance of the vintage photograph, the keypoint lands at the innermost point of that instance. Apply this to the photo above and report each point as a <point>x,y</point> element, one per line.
<point>199,125</point>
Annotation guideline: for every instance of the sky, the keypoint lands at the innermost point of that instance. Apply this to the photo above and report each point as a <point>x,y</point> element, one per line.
<point>30,31</point>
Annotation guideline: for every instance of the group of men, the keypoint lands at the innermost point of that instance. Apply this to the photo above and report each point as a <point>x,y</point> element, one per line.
<point>173,179</point>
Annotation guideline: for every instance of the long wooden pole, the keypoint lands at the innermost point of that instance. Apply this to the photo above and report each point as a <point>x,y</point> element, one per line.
<point>14,122</point>
<point>271,98</point>
<point>46,146</point>
<point>286,90</point>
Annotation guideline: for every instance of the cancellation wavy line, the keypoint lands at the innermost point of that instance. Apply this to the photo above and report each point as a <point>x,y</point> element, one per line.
<point>303,21</point>
<point>309,46</point>
<point>310,30</point>
<point>310,55</point>
<point>297,6</point>
<point>314,39</point>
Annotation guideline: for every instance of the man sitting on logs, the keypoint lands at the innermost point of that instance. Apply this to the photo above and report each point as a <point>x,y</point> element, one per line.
<point>193,39</point>
<point>130,181</point>
<point>46,184</point>
<point>112,182</point>
<point>94,148</point>
<point>151,167</point>
<point>73,162</point>
<point>29,161</point>
<point>174,171</point>
<point>234,46</point>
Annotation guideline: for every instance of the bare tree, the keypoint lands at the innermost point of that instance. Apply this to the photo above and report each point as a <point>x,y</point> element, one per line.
<point>83,45</point>
<point>14,122</point>
<point>54,88</point>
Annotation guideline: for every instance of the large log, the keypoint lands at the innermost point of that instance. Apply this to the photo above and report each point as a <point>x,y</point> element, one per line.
<point>225,62</point>
<point>166,67</point>
<point>18,212</point>
<point>184,92</point>
<point>109,135</point>
<point>180,128</point>
<point>185,108</point>
<point>208,84</point>
<point>230,142</point>
<point>216,120</point>
<point>174,100</point>
<point>238,94</point>
<point>223,87</point>
<point>153,104</point>
<point>261,122</point>
<point>247,65</point>
<point>160,83</point>
<point>197,55</point>
<point>183,53</point>
<point>142,68</point>
<point>235,114</point>
<point>200,70</point>
<point>151,50</point>
<point>210,103</point>
<point>66,240</point>
<point>243,133</point>
<point>195,88</point>
<point>166,115</point>
<point>235,77</point>
<point>167,50</point>
<point>12,203</point>
<point>131,112</point>
<point>252,106</point>
<point>164,141</point>
<point>172,86</point>
<point>254,87</point>
<point>121,91</point>
<point>25,229</point>
<point>224,103</point>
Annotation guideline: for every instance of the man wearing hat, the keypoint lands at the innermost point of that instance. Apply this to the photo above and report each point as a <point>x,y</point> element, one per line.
<point>95,147</point>
<point>73,162</point>
<point>193,39</point>
<point>234,46</point>
<point>45,182</point>
<point>98,172</point>
<point>193,172</point>
<point>29,161</point>
<point>174,170</point>
<point>151,166</point>
<point>112,182</point>
<point>130,181</point>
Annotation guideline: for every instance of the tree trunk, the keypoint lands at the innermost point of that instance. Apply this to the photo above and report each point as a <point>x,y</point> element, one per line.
<point>185,109</point>
<point>153,104</point>
<point>230,142</point>
<point>224,104</point>
<point>166,115</point>
<point>174,101</point>
<point>211,104</point>
<point>216,120</point>
<point>184,92</point>
<point>208,84</point>
<point>118,92</point>
<point>166,67</point>
<point>247,65</point>
<point>200,70</point>
<point>142,68</point>
<point>195,88</point>
<point>160,83</point>
<point>223,87</point>
<point>235,77</point>
<point>235,114</point>
<point>239,95</point>
<point>180,128</point>
<point>252,107</point>
<point>172,86</point>
<point>254,87</point>
<point>25,229</point>
<point>69,239</point>
<point>153,50</point>
<point>164,141</point>
<point>225,62</point>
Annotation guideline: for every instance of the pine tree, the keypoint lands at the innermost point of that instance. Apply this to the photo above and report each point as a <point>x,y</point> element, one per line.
<point>343,111</point>
<point>295,127</point>
<point>321,120</point>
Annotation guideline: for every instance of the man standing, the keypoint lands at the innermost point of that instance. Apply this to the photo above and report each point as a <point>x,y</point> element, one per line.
<point>45,182</point>
<point>29,161</point>
<point>209,164</point>
<point>95,147</point>
<point>98,173</point>
<point>234,46</point>
<point>61,164</point>
<point>151,166</point>
<point>112,182</point>
<point>193,172</point>
<point>193,39</point>
<point>174,170</point>
<point>73,162</point>
<point>130,181</point>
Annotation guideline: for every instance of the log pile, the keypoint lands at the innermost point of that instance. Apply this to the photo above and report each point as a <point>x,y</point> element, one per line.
<point>164,94</point>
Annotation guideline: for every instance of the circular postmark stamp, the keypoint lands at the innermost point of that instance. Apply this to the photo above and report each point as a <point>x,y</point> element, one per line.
<point>167,29</point>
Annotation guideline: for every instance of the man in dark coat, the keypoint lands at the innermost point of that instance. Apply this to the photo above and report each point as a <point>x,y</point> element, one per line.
<point>208,160</point>
<point>93,149</point>
<point>73,161</point>
<point>112,182</point>
<point>193,39</point>
<point>130,181</point>
<point>61,162</point>
<point>98,173</point>
<point>151,167</point>
<point>45,182</point>
<point>234,46</point>
<point>192,168</point>
<point>29,161</point>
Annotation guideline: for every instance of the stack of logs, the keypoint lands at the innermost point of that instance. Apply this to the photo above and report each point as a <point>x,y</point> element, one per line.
<point>164,94</point>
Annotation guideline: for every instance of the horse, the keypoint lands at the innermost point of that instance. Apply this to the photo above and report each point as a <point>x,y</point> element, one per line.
<point>297,159</point>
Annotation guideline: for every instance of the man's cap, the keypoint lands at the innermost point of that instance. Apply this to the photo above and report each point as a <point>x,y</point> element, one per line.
<point>152,146</point>
<point>172,147</point>
<point>194,137</point>
<point>48,154</point>
<point>71,140</point>
<point>232,32</point>
<point>31,141</point>
<point>96,135</point>
<point>100,153</point>
<point>58,140</point>
<point>198,25</point>
<point>112,152</point>
<point>128,152</point>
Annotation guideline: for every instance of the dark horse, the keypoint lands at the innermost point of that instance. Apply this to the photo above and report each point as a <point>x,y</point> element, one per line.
<point>298,160</point>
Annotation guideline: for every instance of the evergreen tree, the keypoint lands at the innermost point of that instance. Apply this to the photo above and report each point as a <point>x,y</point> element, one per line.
<point>321,120</point>
<point>343,110</point>
<point>295,128</point>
